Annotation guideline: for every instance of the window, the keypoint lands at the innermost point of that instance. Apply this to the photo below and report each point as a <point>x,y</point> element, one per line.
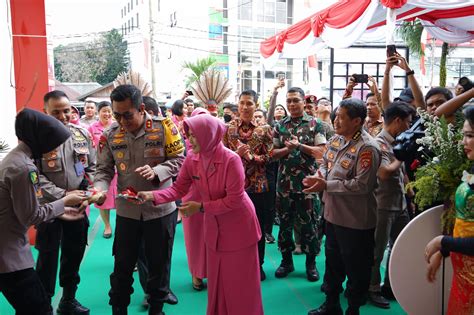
<point>138,24</point>
<point>129,26</point>
<point>131,4</point>
<point>128,5</point>
<point>136,2</point>
<point>121,12</point>
<point>245,12</point>
<point>132,23</point>
<point>124,10</point>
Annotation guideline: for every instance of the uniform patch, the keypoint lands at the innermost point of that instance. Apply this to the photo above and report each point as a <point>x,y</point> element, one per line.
<point>102,142</point>
<point>153,137</point>
<point>353,150</point>
<point>357,135</point>
<point>336,143</point>
<point>331,155</point>
<point>120,155</point>
<point>118,141</point>
<point>123,167</point>
<point>173,143</point>
<point>78,135</point>
<point>345,164</point>
<point>148,124</point>
<point>119,135</point>
<point>174,131</point>
<point>34,177</point>
<point>51,164</point>
<point>366,159</point>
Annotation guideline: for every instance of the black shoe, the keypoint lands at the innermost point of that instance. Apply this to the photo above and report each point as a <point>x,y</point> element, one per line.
<point>71,307</point>
<point>199,287</point>
<point>170,298</point>
<point>312,273</point>
<point>156,311</point>
<point>263,276</point>
<point>352,311</point>
<point>269,238</point>
<point>119,310</point>
<point>327,309</point>
<point>284,270</point>
<point>145,304</point>
<point>378,300</point>
<point>388,293</point>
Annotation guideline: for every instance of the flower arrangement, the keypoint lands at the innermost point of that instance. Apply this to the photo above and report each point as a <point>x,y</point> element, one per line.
<point>436,181</point>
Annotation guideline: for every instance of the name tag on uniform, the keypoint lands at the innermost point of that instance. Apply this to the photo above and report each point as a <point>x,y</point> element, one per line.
<point>79,167</point>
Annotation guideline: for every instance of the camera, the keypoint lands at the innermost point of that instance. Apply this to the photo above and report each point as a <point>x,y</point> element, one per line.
<point>405,147</point>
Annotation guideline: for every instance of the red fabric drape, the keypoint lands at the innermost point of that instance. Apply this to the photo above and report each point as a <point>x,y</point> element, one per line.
<point>393,4</point>
<point>338,15</point>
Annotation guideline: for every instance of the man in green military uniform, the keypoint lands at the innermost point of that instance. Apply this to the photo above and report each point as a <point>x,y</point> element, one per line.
<point>298,142</point>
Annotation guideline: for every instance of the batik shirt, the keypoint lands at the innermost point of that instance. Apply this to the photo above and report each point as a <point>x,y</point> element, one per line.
<point>259,140</point>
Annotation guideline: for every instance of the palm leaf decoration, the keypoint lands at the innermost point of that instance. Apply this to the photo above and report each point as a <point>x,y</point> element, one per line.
<point>134,78</point>
<point>411,32</point>
<point>212,86</point>
<point>4,146</point>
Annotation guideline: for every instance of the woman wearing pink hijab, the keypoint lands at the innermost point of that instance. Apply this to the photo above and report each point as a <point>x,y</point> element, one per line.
<point>193,228</point>
<point>231,229</point>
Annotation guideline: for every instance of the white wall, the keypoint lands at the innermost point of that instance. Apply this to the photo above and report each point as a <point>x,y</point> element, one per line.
<point>7,77</point>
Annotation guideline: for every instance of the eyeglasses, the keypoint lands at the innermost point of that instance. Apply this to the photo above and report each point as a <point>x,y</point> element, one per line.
<point>126,116</point>
<point>293,100</point>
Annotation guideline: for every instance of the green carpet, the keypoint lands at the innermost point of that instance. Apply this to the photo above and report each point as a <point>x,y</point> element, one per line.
<point>292,295</point>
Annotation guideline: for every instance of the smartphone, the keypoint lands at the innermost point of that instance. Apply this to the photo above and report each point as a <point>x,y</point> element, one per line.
<point>189,92</point>
<point>281,76</point>
<point>361,78</point>
<point>391,50</point>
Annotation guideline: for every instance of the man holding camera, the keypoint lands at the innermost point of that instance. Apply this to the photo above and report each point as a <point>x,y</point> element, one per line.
<point>392,214</point>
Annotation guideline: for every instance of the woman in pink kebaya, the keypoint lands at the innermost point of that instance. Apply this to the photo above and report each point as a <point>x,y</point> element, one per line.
<point>231,229</point>
<point>105,120</point>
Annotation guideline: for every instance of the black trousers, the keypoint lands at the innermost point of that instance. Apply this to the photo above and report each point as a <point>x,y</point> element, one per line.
<point>72,237</point>
<point>24,291</point>
<point>157,236</point>
<point>259,200</point>
<point>270,212</point>
<point>349,252</point>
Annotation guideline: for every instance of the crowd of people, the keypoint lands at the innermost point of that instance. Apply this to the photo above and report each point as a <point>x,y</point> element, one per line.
<point>316,170</point>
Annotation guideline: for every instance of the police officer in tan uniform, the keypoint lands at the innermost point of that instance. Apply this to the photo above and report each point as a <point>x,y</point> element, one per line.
<point>147,152</point>
<point>67,168</point>
<point>348,177</point>
<point>20,208</point>
<point>392,214</point>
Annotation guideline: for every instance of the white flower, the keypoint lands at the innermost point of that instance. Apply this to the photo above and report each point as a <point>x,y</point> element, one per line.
<point>435,160</point>
<point>420,148</point>
<point>467,178</point>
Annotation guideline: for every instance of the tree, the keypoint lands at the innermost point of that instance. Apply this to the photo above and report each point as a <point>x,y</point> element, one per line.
<point>411,32</point>
<point>116,58</point>
<point>98,61</point>
<point>197,68</point>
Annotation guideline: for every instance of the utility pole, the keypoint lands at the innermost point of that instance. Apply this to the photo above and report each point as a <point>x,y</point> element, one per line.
<point>152,46</point>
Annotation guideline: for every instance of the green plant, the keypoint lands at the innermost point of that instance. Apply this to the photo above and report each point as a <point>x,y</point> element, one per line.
<point>436,181</point>
<point>197,68</point>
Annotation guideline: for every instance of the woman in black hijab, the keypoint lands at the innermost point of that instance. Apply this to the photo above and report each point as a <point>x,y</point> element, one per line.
<point>20,208</point>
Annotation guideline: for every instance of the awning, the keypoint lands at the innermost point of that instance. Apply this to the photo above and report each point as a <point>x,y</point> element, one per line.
<point>347,21</point>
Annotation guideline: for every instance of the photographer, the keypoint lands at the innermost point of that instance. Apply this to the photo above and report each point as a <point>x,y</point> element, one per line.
<point>399,61</point>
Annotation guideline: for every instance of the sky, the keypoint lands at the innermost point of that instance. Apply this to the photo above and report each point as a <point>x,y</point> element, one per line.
<point>69,17</point>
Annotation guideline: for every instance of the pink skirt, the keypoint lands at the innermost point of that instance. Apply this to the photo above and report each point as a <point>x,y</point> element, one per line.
<point>193,228</point>
<point>234,282</point>
<point>111,195</point>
